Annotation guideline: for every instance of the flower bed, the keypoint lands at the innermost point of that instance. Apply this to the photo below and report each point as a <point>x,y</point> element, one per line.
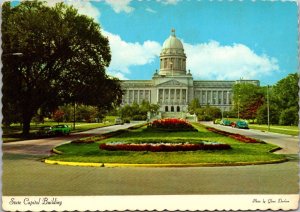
<point>171,124</point>
<point>164,147</point>
<point>238,137</point>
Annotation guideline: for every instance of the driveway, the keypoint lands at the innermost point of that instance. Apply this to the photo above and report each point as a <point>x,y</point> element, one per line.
<point>25,174</point>
<point>44,146</point>
<point>288,143</point>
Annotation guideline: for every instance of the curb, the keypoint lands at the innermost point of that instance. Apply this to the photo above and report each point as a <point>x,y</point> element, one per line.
<point>128,165</point>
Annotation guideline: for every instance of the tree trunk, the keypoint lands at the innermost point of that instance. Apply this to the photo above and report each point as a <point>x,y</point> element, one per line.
<point>26,125</point>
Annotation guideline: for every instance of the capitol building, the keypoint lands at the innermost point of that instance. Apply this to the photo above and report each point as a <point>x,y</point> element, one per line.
<point>173,87</point>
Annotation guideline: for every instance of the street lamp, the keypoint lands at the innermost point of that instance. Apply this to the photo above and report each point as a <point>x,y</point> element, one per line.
<point>239,106</point>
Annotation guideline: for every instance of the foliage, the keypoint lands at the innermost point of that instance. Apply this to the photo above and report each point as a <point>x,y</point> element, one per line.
<point>236,136</point>
<point>286,92</point>
<point>193,106</point>
<point>86,113</point>
<point>289,116</point>
<point>58,116</point>
<point>262,114</point>
<point>247,99</point>
<point>208,113</point>
<point>138,112</point>
<point>163,147</point>
<point>171,124</point>
<point>64,56</point>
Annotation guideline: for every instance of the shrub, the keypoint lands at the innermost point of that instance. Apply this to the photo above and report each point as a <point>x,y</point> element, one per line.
<point>238,137</point>
<point>171,124</point>
<point>289,116</point>
<point>163,147</point>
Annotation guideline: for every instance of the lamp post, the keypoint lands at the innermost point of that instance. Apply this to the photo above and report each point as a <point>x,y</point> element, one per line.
<point>268,108</point>
<point>238,106</point>
<point>74,116</point>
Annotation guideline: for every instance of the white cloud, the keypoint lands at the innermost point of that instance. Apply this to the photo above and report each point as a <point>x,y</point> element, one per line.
<point>127,54</point>
<point>214,61</point>
<point>83,7</point>
<point>120,5</point>
<point>148,9</point>
<point>166,2</point>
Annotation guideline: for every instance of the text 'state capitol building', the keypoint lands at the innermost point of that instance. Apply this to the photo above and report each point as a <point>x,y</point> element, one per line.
<point>173,88</point>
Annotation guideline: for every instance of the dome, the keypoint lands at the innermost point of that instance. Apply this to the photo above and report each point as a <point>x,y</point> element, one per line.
<point>172,57</point>
<point>172,42</point>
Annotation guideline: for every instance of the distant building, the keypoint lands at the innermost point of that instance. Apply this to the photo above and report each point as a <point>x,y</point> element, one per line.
<point>173,87</point>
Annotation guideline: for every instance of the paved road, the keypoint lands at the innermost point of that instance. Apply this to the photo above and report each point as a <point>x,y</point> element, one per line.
<point>25,174</point>
<point>288,143</point>
<point>44,146</point>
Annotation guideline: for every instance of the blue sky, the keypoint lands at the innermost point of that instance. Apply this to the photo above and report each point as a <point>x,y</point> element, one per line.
<point>223,40</point>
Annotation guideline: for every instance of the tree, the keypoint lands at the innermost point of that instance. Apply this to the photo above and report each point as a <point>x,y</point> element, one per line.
<point>58,116</point>
<point>289,116</point>
<point>64,56</point>
<point>247,99</point>
<point>193,106</point>
<point>208,113</point>
<point>286,91</point>
<point>262,114</point>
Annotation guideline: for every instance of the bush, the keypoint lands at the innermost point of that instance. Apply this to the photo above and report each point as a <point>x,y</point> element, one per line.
<point>289,116</point>
<point>163,147</point>
<point>171,124</point>
<point>238,137</point>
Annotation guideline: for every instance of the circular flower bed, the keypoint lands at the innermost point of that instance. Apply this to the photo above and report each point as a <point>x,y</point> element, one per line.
<point>164,147</point>
<point>171,124</point>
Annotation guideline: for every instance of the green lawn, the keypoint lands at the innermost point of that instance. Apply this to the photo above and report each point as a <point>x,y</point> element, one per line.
<point>13,133</point>
<point>240,152</point>
<point>288,130</point>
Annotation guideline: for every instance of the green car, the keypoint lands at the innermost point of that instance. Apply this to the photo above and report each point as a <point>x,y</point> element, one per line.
<point>225,122</point>
<point>241,124</point>
<point>61,129</point>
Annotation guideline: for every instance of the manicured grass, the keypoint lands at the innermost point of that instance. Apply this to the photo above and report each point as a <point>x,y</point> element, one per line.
<point>13,133</point>
<point>240,152</point>
<point>288,130</point>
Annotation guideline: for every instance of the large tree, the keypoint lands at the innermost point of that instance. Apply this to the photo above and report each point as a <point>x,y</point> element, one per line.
<point>286,92</point>
<point>53,55</point>
<point>247,99</point>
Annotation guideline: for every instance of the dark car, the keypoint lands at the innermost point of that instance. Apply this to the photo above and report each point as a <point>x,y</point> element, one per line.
<point>61,129</point>
<point>240,124</point>
<point>225,122</point>
<point>45,131</point>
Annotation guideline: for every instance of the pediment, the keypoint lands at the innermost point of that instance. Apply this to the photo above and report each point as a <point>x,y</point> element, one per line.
<point>171,83</point>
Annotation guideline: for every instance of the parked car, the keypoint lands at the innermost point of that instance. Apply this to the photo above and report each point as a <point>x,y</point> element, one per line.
<point>61,129</point>
<point>240,124</point>
<point>45,131</point>
<point>225,122</point>
<point>119,121</point>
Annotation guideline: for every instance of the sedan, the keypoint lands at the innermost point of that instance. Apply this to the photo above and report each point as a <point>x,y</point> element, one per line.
<point>62,129</point>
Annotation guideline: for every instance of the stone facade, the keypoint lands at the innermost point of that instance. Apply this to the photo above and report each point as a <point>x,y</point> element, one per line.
<point>173,88</point>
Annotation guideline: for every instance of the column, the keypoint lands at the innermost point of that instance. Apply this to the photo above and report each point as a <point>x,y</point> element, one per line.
<point>169,95</point>
<point>222,100</point>
<point>157,90</point>
<point>180,100</point>
<point>163,99</point>
<point>227,97</point>
<point>211,97</point>
<point>138,99</point>
<point>133,95</point>
<point>186,96</point>
<point>149,96</point>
